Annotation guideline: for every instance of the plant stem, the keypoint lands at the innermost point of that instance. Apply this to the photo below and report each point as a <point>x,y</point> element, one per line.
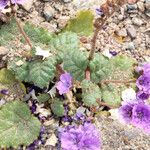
<point>87,74</point>
<point>105,104</point>
<point>108,8</point>
<point>91,55</point>
<point>59,69</point>
<point>117,81</point>
<point>20,26</point>
<point>23,32</point>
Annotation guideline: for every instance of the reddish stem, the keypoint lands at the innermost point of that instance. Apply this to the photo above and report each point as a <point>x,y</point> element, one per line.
<point>118,81</point>
<point>19,25</point>
<point>23,32</point>
<point>87,74</point>
<point>59,69</point>
<point>105,104</point>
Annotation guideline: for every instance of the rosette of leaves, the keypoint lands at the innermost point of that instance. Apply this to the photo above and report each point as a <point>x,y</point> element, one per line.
<point>17,125</point>
<point>90,93</point>
<point>82,24</point>
<point>39,72</point>
<point>67,41</point>
<point>75,62</point>
<point>100,68</point>
<point>58,108</point>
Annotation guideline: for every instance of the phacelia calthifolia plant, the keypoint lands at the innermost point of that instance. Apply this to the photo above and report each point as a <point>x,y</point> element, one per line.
<point>70,84</point>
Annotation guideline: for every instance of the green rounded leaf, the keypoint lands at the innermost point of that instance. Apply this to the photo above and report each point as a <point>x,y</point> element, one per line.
<point>100,68</point>
<point>21,71</point>
<point>9,82</point>
<point>82,24</point>
<point>122,68</point>
<point>111,97</point>
<point>37,35</point>
<point>17,125</point>
<point>75,62</point>
<point>90,93</point>
<point>43,97</point>
<point>6,76</point>
<point>42,72</point>
<point>58,108</point>
<point>64,42</point>
<point>111,93</point>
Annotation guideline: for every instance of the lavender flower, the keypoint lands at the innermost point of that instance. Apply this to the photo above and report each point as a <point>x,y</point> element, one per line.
<point>141,116</point>
<point>4,3</point>
<point>141,96</point>
<point>113,53</point>
<point>33,145</point>
<point>84,137</point>
<point>64,84</point>
<point>4,92</point>
<point>143,83</point>
<point>125,113</point>
<point>145,68</point>
<point>99,12</point>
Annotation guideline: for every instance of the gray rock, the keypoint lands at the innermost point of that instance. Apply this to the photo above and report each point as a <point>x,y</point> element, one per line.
<point>122,32</point>
<point>132,8</point>
<point>120,17</point>
<point>28,4</point>
<point>66,1</point>
<point>137,21</point>
<point>141,6</point>
<point>129,46</point>
<point>147,42</point>
<point>147,13</point>
<point>147,4</point>
<point>62,21</point>
<point>47,0</point>
<point>131,32</point>
<point>48,12</point>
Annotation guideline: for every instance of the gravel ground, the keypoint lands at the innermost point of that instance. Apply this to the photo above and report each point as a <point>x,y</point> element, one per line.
<point>127,31</point>
<point>116,136</point>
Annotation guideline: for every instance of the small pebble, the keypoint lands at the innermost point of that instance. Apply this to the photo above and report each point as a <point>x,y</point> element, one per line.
<point>122,32</point>
<point>137,21</point>
<point>48,12</point>
<point>131,32</point>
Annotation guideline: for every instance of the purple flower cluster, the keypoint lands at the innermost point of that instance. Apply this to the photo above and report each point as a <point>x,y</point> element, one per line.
<point>4,3</point>
<point>83,137</point>
<point>143,82</point>
<point>137,112</point>
<point>64,84</point>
